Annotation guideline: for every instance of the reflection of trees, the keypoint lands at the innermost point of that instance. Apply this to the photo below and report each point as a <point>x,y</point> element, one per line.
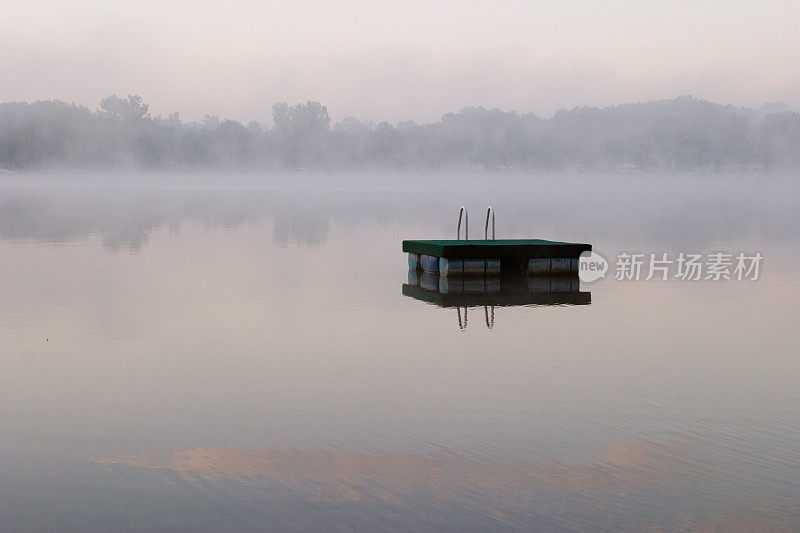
<point>121,219</point>
<point>125,219</point>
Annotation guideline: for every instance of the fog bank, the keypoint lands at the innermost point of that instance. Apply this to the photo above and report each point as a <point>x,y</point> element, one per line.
<point>682,134</point>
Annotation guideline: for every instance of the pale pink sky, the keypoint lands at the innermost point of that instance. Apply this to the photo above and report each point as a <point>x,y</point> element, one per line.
<point>398,60</point>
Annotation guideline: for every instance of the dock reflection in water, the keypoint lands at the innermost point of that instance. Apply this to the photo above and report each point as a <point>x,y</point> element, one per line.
<point>463,292</point>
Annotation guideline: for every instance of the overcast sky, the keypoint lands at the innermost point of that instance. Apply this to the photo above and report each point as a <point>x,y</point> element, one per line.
<point>398,60</point>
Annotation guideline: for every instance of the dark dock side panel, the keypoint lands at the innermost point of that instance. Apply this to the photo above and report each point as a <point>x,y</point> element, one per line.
<point>515,256</point>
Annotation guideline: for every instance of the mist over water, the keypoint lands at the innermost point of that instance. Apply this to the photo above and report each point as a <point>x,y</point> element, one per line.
<point>218,351</point>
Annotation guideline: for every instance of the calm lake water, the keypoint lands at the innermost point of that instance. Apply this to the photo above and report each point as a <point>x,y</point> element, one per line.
<point>200,359</point>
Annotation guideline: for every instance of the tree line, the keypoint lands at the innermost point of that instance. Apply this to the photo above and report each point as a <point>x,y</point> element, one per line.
<point>679,134</point>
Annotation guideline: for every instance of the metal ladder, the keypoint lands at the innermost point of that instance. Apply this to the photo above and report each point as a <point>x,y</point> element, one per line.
<point>464,215</point>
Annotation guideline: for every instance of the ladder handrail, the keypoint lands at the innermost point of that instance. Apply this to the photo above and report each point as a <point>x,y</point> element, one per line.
<point>463,211</point>
<point>489,321</point>
<point>486,227</point>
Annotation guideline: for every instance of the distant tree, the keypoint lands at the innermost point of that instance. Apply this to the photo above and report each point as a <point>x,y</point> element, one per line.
<point>255,128</point>
<point>195,147</point>
<point>302,119</point>
<point>778,139</point>
<point>385,143</point>
<point>233,146</point>
<point>302,132</point>
<point>50,133</point>
<point>131,108</point>
<point>174,119</point>
<point>280,118</point>
<point>348,143</point>
<point>211,122</point>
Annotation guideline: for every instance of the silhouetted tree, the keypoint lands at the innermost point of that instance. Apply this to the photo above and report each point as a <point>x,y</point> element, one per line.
<point>130,108</point>
<point>302,132</point>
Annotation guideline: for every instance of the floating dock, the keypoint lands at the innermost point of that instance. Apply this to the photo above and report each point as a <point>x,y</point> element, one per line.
<point>534,257</point>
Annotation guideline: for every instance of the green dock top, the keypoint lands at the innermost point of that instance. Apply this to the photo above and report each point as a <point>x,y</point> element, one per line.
<point>496,249</point>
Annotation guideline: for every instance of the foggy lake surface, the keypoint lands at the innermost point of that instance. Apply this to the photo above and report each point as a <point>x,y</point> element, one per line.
<point>222,353</point>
